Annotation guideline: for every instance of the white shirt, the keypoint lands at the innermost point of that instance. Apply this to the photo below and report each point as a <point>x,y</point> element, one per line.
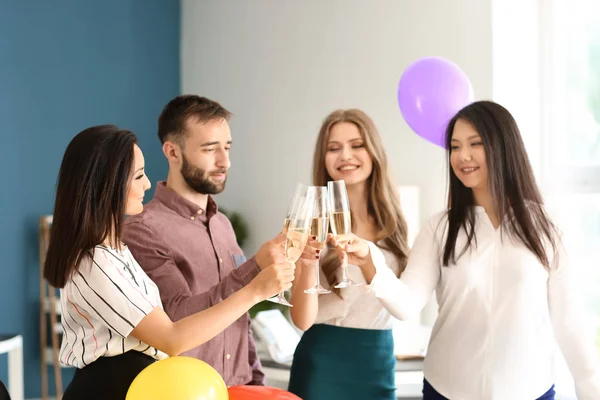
<point>356,308</point>
<point>500,315</point>
<point>101,304</point>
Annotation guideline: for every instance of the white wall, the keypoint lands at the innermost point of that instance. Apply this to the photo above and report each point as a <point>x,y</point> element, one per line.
<point>517,82</point>
<point>282,66</point>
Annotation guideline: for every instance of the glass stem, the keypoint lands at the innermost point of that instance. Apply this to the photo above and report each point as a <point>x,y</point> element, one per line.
<point>317,271</point>
<point>345,273</point>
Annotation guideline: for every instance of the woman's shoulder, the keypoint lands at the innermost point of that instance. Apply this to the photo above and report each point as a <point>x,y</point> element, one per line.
<point>438,221</point>
<point>101,252</point>
<point>101,256</point>
<point>103,262</point>
<point>438,216</point>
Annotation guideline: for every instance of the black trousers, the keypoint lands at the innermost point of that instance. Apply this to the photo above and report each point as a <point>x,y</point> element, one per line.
<point>107,377</point>
<point>3,392</point>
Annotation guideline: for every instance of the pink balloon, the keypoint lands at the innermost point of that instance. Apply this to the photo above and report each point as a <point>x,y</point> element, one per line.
<point>259,393</point>
<point>431,91</point>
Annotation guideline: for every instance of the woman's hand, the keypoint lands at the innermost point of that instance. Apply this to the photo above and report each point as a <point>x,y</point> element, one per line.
<point>354,250</point>
<point>312,251</point>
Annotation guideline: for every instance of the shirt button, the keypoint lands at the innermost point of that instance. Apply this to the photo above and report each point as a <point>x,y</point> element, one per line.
<point>228,356</point>
<point>199,211</point>
<point>220,260</point>
<point>192,218</point>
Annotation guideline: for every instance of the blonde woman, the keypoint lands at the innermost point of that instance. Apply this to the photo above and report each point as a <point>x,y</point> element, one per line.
<point>347,349</point>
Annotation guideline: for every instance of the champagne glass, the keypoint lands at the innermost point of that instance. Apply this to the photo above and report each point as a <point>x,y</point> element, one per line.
<point>319,227</point>
<point>297,232</point>
<point>339,218</point>
<point>299,192</point>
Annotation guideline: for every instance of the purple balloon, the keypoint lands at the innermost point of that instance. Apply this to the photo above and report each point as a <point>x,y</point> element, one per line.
<point>431,91</point>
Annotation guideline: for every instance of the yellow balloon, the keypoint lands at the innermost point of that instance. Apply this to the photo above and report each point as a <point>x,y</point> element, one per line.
<point>178,378</point>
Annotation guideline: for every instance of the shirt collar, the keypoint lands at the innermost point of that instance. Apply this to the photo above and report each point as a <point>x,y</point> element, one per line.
<point>183,206</point>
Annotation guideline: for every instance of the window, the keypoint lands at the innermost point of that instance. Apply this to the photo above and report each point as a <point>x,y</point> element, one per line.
<point>570,67</point>
<point>571,158</point>
<point>572,101</point>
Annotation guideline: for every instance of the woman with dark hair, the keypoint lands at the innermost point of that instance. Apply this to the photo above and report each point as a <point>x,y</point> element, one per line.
<point>505,290</point>
<point>112,317</point>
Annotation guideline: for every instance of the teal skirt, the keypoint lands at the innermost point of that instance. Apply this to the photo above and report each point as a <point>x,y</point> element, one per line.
<point>334,363</point>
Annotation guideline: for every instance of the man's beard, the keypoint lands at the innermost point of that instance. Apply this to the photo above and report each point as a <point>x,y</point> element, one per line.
<point>199,180</point>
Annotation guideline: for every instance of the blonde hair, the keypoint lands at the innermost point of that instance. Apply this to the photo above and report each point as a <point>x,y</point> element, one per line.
<point>383,198</point>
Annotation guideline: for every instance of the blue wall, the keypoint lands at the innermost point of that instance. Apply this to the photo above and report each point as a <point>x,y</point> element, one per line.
<point>66,65</point>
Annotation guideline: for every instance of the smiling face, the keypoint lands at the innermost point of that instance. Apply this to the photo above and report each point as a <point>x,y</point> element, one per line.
<point>346,156</point>
<point>468,157</point>
<point>138,184</point>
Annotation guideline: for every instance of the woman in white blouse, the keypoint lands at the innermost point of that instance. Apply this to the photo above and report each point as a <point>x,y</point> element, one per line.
<point>505,290</point>
<point>112,317</point>
<point>347,351</point>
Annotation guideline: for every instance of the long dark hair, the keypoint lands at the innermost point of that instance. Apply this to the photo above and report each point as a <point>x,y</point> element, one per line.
<point>90,198</point>
<point>511,183</point>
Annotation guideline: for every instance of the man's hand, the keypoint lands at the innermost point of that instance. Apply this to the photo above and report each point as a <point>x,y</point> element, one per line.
<point>271,252</point>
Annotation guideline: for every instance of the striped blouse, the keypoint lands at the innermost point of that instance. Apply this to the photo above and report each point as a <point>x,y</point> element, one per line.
<point>101,304</point>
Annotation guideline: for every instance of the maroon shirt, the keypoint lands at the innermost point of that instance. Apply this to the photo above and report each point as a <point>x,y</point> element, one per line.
<point>193,257</point>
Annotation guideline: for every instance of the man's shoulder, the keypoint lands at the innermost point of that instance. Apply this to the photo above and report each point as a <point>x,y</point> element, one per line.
<point>151,218</point>
<point>151,229</point>
<point>222,218</point>
<point>224,221</point>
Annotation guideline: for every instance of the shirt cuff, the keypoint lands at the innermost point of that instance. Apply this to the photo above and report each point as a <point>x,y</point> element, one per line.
<point>248,270</point>
<point>380,264</point>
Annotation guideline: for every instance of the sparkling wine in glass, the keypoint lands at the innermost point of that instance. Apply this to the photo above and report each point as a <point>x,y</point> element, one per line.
<point>297,232</point>
<point>339,218</point>
<point>299,192</point>
<point>319,226</point>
